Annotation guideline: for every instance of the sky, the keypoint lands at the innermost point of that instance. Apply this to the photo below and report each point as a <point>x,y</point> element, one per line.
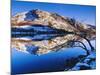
<point>82,13</point>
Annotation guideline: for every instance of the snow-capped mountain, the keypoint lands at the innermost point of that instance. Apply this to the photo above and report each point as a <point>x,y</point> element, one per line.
<point>39,17</point>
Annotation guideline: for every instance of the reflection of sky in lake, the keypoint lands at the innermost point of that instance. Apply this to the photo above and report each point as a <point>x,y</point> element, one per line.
<point>25,63</point>
<point>55,61</point>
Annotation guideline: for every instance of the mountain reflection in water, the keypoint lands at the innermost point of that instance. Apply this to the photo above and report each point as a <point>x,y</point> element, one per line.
<point>51,62</point>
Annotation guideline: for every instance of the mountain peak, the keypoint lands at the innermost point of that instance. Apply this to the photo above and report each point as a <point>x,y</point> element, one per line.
<point>54,20</point>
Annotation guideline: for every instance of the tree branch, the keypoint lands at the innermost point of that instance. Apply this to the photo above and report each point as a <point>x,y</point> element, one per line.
<point>83,47</point>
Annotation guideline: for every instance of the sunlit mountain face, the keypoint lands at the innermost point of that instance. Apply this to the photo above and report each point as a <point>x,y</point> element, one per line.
<point>45,41</point>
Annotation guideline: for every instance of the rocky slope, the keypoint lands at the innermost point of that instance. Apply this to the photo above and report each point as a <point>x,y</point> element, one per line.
<point>39,17</point>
